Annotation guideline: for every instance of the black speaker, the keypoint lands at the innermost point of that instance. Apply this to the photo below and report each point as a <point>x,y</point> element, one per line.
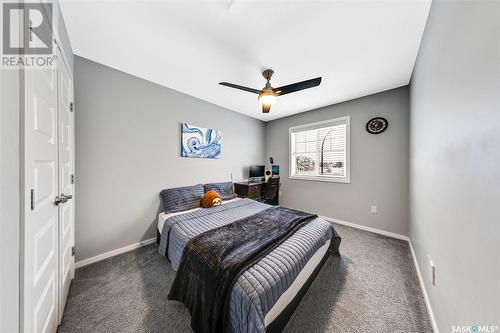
<point>271,160</point>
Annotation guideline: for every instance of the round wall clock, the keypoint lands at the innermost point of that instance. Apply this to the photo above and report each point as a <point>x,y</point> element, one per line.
<point>377,125</point>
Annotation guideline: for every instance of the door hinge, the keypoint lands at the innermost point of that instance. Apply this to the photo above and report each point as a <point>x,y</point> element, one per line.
<point>73,251</point>
<point>72,178</point>
<point>71,107</point>
<point>32,198</point>
<point>30,28</point>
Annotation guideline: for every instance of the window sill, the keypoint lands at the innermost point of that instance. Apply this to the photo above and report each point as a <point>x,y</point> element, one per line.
<point>345,180</point>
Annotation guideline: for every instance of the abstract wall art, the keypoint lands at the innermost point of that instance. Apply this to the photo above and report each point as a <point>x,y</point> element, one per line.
<point>199,142</point>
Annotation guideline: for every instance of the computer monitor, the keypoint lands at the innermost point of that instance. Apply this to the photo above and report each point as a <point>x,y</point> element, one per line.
<point>256,172</point>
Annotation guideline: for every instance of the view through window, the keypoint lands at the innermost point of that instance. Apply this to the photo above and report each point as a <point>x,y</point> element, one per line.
<point>320,151</point>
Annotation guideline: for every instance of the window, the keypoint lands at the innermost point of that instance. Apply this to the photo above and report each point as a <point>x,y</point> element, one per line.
<point>320,151</point>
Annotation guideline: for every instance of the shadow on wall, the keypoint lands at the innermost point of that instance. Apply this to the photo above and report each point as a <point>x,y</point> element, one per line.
<point>153,226</point>
<point>151,231</point>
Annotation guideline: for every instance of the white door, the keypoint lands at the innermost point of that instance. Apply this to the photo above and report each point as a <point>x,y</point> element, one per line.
<point>66,209</point>
<point>40,276</point>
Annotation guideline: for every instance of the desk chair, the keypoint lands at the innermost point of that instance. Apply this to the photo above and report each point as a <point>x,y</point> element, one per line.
<point>271,191</point>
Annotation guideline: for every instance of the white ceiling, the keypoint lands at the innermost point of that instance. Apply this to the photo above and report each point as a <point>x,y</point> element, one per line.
<point>358,47</point>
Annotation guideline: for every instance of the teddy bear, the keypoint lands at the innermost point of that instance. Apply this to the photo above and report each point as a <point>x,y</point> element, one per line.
<point>211,199</point>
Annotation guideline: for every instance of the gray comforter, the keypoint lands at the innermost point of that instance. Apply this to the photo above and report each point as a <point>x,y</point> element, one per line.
<point>259,287</point>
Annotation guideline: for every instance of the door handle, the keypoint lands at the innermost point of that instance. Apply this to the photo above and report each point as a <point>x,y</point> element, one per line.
<point>59,200</point>
<point>66,197</point>
<point>62,199</point>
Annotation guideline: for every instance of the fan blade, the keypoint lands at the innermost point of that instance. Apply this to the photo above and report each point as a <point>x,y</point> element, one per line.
<point>266,108</point>
<point>231,85</point>
<point>298,86</point>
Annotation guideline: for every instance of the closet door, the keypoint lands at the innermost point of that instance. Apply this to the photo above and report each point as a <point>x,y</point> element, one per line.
<point>40,275</point>
<point>66,167</point>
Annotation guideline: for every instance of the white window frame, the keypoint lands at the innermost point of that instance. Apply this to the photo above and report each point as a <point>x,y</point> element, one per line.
<point>330,122</point>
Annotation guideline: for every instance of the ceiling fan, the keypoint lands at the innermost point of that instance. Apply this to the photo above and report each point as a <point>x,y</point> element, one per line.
<point>268,94</point>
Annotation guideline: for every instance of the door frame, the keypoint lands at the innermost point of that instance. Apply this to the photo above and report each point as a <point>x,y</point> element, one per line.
<point>62,61</point>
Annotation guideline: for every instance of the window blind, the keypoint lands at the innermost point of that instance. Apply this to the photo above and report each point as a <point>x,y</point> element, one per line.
<point>319,150</point>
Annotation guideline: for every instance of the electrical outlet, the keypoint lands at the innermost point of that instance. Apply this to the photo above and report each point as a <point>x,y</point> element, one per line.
<point>280,193</point>
<point>432,270</point>
<point>374,209</point>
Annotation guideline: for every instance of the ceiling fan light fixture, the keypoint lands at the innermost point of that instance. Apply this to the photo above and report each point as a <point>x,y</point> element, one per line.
<point>267,97</point>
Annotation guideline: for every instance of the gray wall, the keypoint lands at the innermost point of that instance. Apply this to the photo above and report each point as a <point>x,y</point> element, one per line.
<point>9,199</point>
<point>379,164</point>
<point>128,150</point>
<point>455,161</point>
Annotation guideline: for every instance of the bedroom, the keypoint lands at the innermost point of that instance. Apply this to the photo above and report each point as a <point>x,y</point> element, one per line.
<point>109,153</point>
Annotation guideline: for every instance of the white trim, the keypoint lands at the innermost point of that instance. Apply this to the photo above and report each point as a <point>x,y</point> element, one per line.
<point>332,179</point>
<point>415,262</point>
<point>424,291</point>
<point>370,229</point>
<point>113,253</point>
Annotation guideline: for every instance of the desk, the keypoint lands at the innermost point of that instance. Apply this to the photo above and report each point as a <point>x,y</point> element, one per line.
<point>249,190</point>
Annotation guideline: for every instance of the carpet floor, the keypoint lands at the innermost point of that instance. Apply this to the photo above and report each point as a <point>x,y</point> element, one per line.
<point>372,287</point>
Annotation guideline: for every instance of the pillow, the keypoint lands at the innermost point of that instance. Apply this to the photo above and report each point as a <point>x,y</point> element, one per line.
<point>211,199</point>
<point>225,189</point>
<point>182,198</point>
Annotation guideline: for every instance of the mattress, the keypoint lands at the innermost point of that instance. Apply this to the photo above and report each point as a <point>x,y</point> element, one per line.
<point>265,289</point>
<point>299,282</point>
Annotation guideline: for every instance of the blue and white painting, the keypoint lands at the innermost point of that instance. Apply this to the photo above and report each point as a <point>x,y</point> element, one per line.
<point>199,142</point>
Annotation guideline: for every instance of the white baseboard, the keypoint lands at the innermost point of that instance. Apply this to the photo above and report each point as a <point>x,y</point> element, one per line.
<point>370,229</point>
<point>424,291</point>
<point>415,262</point>
<point>113,253</point>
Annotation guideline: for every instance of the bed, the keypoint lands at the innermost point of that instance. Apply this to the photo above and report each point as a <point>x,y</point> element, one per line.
<point>265,295</point>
